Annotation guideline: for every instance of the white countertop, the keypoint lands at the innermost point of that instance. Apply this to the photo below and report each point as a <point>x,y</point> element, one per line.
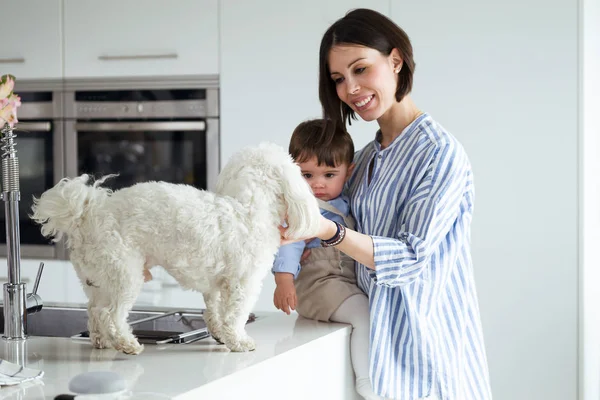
<point>183,370</point>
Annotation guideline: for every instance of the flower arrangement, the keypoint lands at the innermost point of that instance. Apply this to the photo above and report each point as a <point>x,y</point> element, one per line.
<point>9,102</point>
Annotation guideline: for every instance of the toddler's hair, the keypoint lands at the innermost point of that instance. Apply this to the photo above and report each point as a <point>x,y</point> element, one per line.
<point>307,142</point>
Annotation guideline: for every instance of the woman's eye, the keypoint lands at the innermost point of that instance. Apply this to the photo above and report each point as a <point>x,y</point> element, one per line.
<point>359,70</point>
<point>338,80</point>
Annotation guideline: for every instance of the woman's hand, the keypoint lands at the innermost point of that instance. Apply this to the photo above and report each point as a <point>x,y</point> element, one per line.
<point>327,229</point>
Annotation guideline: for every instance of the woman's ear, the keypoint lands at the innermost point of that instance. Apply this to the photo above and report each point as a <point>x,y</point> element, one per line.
<point>396,60</point>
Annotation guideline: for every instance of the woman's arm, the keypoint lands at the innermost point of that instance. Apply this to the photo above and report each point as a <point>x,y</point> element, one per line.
<point>356,245</point>
<point>437,203</point>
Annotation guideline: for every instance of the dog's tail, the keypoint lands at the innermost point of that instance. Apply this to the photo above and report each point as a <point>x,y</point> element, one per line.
<point>60,209</point>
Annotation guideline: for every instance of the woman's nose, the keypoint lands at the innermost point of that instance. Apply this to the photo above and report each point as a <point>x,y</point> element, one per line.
<point>352,86</point>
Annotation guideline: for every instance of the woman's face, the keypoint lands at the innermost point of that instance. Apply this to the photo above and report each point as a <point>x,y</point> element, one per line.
<point>365,79</point>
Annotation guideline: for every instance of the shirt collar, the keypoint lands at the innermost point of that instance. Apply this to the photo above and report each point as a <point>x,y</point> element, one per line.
<point>406,132</point>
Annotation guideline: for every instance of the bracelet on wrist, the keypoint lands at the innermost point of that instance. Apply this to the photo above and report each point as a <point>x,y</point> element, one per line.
<point>340,234</point>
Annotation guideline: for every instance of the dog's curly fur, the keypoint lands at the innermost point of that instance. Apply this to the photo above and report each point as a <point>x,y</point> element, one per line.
<point>221,244</point>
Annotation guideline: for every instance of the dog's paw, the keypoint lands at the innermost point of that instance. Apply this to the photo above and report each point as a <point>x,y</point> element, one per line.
<point>215,331</point>
<point>99,342</point>
<point>132,347</point>
<point>214,328</point>
<point>240,344</point>
<point>217,339</point>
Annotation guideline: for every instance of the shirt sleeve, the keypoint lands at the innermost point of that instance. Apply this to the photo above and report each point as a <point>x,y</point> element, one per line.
<point>288,258</point>
<point>427,218</point>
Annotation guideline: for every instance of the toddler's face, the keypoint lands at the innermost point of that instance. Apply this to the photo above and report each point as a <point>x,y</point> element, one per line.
<point>326,182</point>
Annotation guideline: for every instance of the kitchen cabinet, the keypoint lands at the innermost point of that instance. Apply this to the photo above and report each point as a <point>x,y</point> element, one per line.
<point>140,38</point>
<point>32,45</point>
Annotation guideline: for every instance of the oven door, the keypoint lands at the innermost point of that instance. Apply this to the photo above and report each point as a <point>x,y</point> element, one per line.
<point>39,149</point>
<point>171,151</point>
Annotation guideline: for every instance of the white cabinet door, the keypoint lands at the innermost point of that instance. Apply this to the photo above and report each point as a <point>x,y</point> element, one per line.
<point>269,75</point>
<point>32,43</point>
<point>140,38</point>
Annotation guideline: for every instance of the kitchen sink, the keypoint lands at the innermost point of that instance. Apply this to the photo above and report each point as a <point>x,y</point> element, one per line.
<point>67,322</point>
<point>149,326</point>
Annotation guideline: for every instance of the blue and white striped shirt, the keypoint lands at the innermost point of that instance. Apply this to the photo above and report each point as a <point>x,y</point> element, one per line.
<point>426,334</point>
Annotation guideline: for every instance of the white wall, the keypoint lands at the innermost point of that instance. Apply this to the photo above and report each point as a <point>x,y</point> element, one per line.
<point>502,76</point>
<point>589,190</point>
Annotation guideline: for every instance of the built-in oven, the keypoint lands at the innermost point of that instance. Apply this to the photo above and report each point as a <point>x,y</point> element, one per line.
<point>143,135</point>
<point>39,145</point>
<point>140,129</point>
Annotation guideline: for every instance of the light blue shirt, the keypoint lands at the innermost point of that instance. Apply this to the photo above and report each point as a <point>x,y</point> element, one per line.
<point>288,257</point>
<point>426,331</point>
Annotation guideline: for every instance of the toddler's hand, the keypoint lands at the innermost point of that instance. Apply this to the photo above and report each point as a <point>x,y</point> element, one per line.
<point>305,255</point>
<point>284,297</point>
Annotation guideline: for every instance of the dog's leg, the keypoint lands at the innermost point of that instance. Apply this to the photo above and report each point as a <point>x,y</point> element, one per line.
<point>124,339</point>
<point>100,327</point>
<point>101,322</point>
<point>212,315</point>
<point>237,300</point>
<point>105,327</point>
<point>126,281</point>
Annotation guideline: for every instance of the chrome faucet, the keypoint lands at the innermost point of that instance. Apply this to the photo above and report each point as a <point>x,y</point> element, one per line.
<point>17,302</point>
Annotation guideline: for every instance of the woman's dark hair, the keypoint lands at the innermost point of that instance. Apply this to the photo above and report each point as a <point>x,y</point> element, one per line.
<point>306,144</point>
<point>367,28</point>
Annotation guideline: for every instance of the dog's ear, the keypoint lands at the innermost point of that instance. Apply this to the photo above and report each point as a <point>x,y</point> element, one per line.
<point>303,214</point>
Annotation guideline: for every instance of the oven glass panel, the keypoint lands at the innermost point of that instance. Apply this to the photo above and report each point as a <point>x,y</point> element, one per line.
<point>141,156</point>
<point>34,150</point>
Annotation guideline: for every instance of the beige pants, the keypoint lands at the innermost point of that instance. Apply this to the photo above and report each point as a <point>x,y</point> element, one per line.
<point>326,279</point>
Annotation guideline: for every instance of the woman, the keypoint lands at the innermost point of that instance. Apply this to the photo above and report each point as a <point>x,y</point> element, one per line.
<point>412,197</point>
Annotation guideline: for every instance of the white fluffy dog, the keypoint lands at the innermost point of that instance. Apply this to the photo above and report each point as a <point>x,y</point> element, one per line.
<point>221,244</point>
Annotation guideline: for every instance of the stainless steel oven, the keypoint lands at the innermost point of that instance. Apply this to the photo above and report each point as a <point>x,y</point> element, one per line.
<point>143,134</point>
<point>142,129</point>
<point>40,151</point>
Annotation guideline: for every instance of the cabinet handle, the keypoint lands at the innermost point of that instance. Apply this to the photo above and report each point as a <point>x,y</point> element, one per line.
<point>155,126</point>
<point>18,60</point>
<point>138,57</point>
<point>33,126</point>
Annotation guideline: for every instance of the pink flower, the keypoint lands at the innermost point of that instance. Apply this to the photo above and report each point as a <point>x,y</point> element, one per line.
<point>9,101</point>
<point>8,114</point>
<point>15,100</point>
<point>7,86</point>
